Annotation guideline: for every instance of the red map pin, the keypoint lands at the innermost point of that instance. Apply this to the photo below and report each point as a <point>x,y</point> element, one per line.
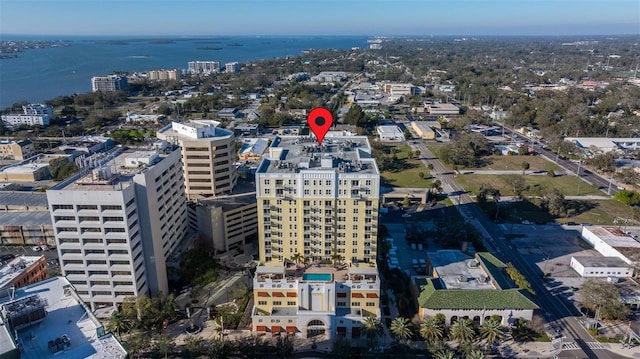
<point>320,120</point>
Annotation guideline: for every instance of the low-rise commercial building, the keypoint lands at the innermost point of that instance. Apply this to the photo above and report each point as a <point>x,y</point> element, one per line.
<point>21,271</point>
<point>602,267</point>
<point>473,287</point>
<point>16,150</point>
<point>442,109</point>
<point>424,129</point>
<point>612,242</point>
<point>247,129</point>
<point>399,89</point>
<point>33,169</point>
<point>253,148</point>
<point>390,133</point>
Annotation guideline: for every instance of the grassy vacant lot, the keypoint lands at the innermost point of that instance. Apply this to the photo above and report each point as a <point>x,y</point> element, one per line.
<point>504,163</point>
<point>594,212</point>
<point>408,177</point>
<point>568,185</point>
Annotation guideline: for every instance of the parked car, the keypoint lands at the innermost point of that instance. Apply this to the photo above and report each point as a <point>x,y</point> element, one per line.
<point>36,248</point>
<point>413,246</point>
<point>420,247</point>
<point>45,247</point>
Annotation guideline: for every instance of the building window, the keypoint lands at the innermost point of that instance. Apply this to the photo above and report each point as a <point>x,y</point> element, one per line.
<point>262,302</point>
<point>291,303</point>
<point>355,304</point>
<point>371,304</point>
<point>277,302</point>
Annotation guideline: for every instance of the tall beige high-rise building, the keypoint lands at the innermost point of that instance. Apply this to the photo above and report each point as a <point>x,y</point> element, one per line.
<point>318,201</point>
<point>208,156</point>
<point>318,220</point>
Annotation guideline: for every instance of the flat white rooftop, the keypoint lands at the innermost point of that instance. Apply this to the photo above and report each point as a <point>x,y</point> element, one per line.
<point>458,270</point>
<point>65,316</point>
<point>613,237</point>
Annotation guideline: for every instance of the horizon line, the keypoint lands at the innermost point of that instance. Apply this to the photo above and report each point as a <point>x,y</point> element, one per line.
<point>324,35</point>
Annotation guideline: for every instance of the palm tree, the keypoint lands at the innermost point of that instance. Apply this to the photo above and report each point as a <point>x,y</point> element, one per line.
<point>401,329</point>
<point>336,258</point>
<point>476,354</point>
<point>491,331</point>
<point>462,330</point>
<point>444,354</point>
<point>118,324</point>
<point>297,258</point>
<point>372,328</point>
<point>431,331</point>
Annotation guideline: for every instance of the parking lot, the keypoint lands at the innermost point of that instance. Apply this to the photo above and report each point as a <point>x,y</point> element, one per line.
<point>51,255</point>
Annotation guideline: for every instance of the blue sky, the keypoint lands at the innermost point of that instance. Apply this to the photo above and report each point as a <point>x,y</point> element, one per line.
<point>313,17</point>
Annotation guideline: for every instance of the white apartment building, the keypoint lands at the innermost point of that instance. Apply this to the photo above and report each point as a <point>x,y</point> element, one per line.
<point>204,68</point>
<point>109,83</point>
<point>33,114</point>
<point>116,225</point>
<point>208,156</point>
<point>232,66</point>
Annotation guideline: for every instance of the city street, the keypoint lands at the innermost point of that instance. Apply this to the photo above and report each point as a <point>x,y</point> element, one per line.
<point>559,313</point>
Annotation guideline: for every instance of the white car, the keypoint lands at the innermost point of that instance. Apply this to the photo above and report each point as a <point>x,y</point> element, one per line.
<point>420,247</point>
<point>36,248</point>
<point>406,215</point>
<point>44,247</point>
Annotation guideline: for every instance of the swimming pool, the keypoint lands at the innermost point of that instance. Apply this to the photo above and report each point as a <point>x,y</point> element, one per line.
<point>319,277</point>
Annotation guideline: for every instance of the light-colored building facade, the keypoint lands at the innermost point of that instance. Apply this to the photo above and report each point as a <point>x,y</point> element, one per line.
<point>225,222</point>
<point>601,267</point>
<point>390,133</point>
<point>109,83</point>
<point>21,271</point>
<point>208,156</point>
<point>164,75</point>
<point>317,204</point>
<point>442,109</point>
<point>321,300</point>
<point>33,114</point>
<point>232,67</point>
<point>399,89</point>
<point>473,287</point>
<point>203,68</point>
<point>17,150</point>
<point>612,242</point>
<point>424,129</point>
<point>116,226</point>
<point>33,169</point>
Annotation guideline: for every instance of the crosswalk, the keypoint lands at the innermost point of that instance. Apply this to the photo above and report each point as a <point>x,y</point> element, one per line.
<point>573,345</point>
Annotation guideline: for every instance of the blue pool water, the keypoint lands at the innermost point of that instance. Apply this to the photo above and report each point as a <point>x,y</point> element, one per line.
<point>320,277</point>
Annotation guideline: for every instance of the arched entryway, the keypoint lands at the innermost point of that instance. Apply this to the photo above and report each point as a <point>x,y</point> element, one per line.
<point>316,327</point>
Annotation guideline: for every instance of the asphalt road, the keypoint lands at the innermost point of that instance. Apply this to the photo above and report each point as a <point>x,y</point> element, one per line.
<point>560,314</point>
